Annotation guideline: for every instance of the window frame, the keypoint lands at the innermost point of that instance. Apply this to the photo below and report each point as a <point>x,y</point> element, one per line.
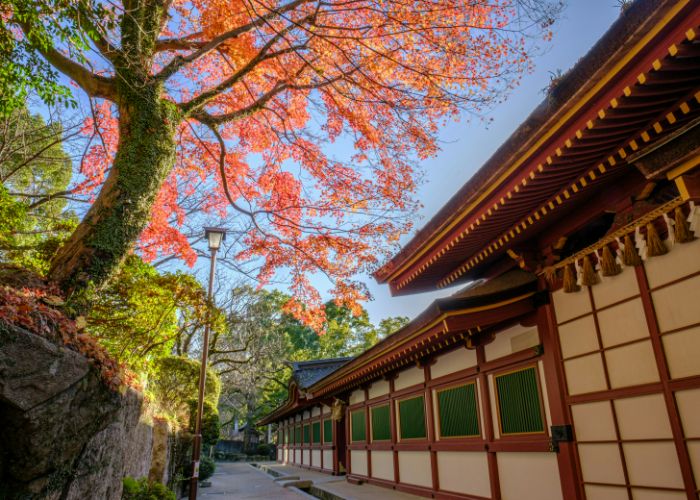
<point>384,404</point>
<point>313,436</point>
<point>455,385</point>
<point>323,431</point>
<point>540,397</point>
<point>364,417</point>
<point>397,402</point>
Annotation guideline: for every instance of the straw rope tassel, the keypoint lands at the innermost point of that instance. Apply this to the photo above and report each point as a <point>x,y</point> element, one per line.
<point>608,264</point>
<point>570,279</point>
<point>681,228</point>
<point>655,246</point>
<point>630,257</point>
<point>588,275</point>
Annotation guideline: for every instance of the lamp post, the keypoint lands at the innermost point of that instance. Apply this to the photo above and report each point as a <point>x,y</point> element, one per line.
<point>214,236</point>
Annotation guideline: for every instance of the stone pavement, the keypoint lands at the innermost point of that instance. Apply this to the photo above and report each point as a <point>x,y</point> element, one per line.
<point>233,481</point>
<point>236,480</point>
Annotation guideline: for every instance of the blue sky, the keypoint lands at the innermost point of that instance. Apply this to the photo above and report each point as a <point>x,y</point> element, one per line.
<point>468,144</point>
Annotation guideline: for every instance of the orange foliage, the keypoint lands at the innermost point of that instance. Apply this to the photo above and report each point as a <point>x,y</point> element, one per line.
<point>31,309</point>
<point>283,80</point>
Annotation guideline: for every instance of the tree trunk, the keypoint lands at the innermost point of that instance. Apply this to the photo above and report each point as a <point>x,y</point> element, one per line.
<point>145,156</point>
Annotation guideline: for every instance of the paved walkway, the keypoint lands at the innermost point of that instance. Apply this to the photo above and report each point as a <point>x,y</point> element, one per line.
<point>240,481</point>
<point>234,481</point>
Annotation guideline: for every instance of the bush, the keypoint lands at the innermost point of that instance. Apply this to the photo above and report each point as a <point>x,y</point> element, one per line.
<point>141,489</point>
<point>207,467</point>
<point>175,381</point>
<point>264,449</point>
<point>211,427</point>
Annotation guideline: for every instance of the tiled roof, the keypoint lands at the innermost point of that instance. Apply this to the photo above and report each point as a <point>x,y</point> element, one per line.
<point>307,373</point>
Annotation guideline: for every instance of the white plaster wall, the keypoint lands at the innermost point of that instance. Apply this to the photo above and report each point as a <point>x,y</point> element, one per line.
<point>653,464</point>
<point>383,465</point>
<point>677,305</point>
<point>514,339</point>
<point>306,457</point>
<point>689,408</point>
<point>414,468</point>
<point>358,462</point>
<point>578,337</point>
<point>594,421</point>
<point>646,494</point>
<point>328,459</point>
<point>623,323</point>
<point>378,388</point>
<point>529,476</point>
<point>454,361</point>
<point>316,458</point>
<point>632,364</point>
<point>683,352</point>
<point>570,305</point>
<point>615,288</point>
<point>601,463</point>
<point>357,396</point>
<point>315,411</point>
<point>597,492</point>
<point>297,456</point>
<point>643,417</point>
<point>585,374</point>
<point>464,472</point>
<point>409,377</point>
<point>681,261</point>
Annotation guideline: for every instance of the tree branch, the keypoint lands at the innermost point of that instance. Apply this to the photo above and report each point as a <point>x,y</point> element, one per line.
<point>94,85</point>
<point>179,61</point>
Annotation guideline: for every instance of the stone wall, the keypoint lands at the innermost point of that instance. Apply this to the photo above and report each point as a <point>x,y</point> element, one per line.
<point>63,434</point>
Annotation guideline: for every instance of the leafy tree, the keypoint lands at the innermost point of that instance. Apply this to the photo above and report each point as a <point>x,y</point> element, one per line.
<point>252,354</point>
<point>141,314</point>
<point>174,382</point>
<point>35,171</point>
<point>241,95</point>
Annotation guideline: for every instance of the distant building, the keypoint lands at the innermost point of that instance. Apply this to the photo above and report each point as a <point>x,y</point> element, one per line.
<point>569,366</point>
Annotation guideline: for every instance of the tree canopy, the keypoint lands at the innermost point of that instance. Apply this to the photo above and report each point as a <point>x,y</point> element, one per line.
<point>224,108</point>
<point>252,356</point>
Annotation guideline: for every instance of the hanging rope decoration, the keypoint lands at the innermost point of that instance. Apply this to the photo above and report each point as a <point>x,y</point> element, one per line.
<point>630,257</point>
<point>588,275</point>
<point>622,241</point>
<point>681,228</point>
<point>570,284</point>
<point>608,263</point>
<point>655,246</point>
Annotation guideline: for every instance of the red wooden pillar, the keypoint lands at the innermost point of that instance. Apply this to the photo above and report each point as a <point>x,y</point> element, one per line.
<point>556,394</point>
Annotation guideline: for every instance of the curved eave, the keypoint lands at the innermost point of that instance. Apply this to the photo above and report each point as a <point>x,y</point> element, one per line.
<point>610,104</point>
<point>444,324</point>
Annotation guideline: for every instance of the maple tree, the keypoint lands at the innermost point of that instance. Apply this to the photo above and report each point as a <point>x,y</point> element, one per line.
<point>226,106</point>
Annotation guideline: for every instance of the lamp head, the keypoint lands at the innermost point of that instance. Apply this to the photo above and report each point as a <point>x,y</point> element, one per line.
<point>214,235</point>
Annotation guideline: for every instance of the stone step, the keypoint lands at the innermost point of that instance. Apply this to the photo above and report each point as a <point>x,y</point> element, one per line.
<point>296,483</point>
<point>286,478</point>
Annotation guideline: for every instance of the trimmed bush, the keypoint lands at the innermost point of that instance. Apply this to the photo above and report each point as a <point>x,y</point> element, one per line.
<point>141,489</point>
<point>207,467</point>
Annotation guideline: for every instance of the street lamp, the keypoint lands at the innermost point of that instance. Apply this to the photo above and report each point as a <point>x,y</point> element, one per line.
<point>214,236</point>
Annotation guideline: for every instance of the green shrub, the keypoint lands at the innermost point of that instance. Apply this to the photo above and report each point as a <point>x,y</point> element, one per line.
<point>264,449</point>
<point>207,467</point>
<point>174,382</point>
<point>141,489</point>
<point>211,427</point>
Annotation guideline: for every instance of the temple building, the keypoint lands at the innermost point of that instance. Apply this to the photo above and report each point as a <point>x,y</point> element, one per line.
<point>567,366</point>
